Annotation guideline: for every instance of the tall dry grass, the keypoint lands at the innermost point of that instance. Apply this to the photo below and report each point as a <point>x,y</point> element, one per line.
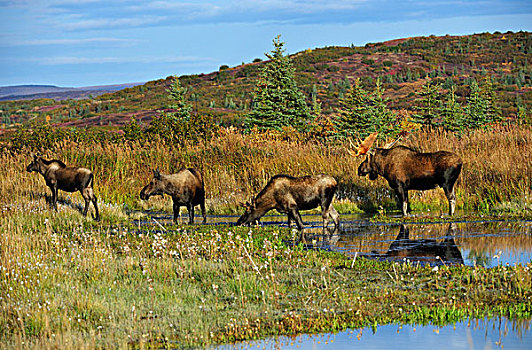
<point>497,169</point>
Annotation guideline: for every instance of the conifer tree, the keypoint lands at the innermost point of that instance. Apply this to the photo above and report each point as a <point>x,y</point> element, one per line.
<point>382,116</point>
<point>475,111</point>
<point>355,113</point>
<point>277,101</point>
<point>493,111</point>
<point>429,104</point>
<point>451,112</point>
<point>172,126</point>
<point>176,94</point>
<point>363,112</point>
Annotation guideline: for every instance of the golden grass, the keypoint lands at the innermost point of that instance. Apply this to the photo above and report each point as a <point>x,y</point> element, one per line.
<point>497,170</point>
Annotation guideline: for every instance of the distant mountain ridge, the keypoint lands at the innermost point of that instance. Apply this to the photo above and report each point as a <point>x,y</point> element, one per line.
<point>30,92</point>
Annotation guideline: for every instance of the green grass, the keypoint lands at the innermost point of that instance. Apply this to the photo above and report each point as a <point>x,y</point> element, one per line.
<point>67,281</point>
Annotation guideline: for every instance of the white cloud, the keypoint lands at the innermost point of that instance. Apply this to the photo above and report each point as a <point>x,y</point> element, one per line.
<point>74,60</point>
<point>112,22</point>
<point>83,41</point>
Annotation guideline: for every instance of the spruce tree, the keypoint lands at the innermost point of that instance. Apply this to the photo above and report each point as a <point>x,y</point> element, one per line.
<point>354,116</point>
<point>363,112</point>
<point>277,102</point>
<point>176,94</point>
<point>428,104</point>
<point>493,111</point>
<point>382,116</point>
<point>451,112</point>
<point>475,116</point>
<point>173,125</point>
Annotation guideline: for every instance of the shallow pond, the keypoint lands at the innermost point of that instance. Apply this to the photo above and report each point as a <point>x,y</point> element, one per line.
<point>487,243</point>
<point>474,334</point>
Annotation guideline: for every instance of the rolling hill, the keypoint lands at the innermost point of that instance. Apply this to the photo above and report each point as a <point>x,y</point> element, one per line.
<point>403,66</point>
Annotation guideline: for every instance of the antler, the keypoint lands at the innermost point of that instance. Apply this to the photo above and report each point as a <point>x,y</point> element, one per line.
<point>364,146</point>
<point>399,137</point>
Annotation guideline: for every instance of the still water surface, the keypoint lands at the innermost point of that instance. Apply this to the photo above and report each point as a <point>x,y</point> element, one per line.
<point>483,243</point>
<point>467,335</point>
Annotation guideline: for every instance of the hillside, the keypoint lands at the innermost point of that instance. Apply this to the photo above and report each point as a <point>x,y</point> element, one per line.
<point>403,65</point>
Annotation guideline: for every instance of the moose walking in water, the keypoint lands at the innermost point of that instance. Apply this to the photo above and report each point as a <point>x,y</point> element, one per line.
<point>288,194</point>
<point>58,176</point>
<point>406,169</point>
<point>185,187</point>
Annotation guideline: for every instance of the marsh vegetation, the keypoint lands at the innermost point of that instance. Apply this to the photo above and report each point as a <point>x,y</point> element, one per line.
<point>67,281</point>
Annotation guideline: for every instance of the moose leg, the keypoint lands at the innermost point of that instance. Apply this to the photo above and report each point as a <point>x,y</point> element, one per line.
<point>95,203</point>
<point>451,197</point>
<point>190,208</point>
<point>54,196</point>
<point>402,199</point>
<point>326,208</point>
<point>203,211</point>
<point>333,214</point>
<point>86,196</point>
<point>292,211</point>
<point>176,207</point>
<point>289,223</point>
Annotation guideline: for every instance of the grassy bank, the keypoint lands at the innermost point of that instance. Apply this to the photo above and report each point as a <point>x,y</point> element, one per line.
<point>496,175</point>
<point>67,282</point>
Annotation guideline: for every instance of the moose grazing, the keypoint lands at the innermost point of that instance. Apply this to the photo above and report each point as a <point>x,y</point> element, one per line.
<point>58,176</point>
<point>406,169</point>
<point>288,194</point>
<point>185,187</point>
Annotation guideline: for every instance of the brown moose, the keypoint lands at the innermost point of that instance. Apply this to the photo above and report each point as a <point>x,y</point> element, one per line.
<point>185,187</point>
<point>288,194</point>
<point>406,169</point>
<point>58,176</point>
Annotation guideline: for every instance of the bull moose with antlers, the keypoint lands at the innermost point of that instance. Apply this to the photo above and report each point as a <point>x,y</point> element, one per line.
<point>406,169</point>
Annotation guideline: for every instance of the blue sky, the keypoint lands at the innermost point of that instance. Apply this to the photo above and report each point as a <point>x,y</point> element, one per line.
<point>96,42</point>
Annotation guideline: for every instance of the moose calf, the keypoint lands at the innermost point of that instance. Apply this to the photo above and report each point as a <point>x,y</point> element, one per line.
<point>70,179</point>
<point>185,187</point>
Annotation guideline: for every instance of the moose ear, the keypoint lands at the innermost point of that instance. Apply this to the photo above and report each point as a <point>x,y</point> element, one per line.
<point>157,174</point>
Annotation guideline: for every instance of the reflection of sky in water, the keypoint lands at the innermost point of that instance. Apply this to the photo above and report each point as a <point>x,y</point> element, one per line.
<point>477,241</point>
<point>502,257</point>
<point>475,335</point>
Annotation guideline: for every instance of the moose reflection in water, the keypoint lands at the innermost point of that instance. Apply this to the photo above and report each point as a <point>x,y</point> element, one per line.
<point>58,176</point>
<point>428,251</point>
